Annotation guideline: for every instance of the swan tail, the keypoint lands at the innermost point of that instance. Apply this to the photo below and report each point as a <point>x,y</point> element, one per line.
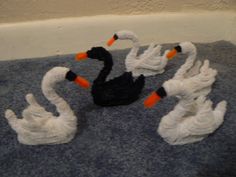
<point>12,119</point>
<point>219,113</point>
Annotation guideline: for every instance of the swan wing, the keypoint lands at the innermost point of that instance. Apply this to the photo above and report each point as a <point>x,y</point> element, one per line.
<point>194,70</point>
<point>203,122</point>
<point>34,110</point>
<point>151,59</point>
<point>202,81</point>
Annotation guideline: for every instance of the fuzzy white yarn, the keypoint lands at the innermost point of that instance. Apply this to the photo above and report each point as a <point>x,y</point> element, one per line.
<point>193,118</point>
<point>191,121</point>
<point>149,63</point>
<point>39,126</point>
<point>196,78</point>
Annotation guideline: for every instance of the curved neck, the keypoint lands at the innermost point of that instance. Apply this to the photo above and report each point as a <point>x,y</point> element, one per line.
<point>105,71</point>
<point>180,111</point>
<point>134,50</point>
<point>62,107</point>
<point>192,55</point>
<point>189,62</point>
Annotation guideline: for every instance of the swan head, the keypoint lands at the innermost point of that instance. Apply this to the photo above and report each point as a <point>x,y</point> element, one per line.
<point>169,88</point>
<point>123,35</point>
<point>184,48</point>
<point>58,74</point>
<point>98,53</point>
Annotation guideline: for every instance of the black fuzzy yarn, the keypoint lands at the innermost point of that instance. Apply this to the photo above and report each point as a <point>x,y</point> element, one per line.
<point>161,92</point>
<point>122,90</point>
<point>71,76</point>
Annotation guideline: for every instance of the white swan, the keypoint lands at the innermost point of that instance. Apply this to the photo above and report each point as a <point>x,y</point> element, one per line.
<point>149,63</point>
<point>193,117</point>
<point>191,67</point>
<point>191,121</point>
<point>41,127</point>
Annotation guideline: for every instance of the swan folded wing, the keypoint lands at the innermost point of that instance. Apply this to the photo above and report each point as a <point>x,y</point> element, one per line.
<point>202,92</point>
<point>34,113</point>
<point>194,70</point>
<point>123,80</point>
<point>152,50</point>
<point>203,122</point>
<point>45,131</point>
<point>202,127</point>
<point>149,58</point>
<point>155,66</point>
<point>34,110</point>
<point>203,80</point>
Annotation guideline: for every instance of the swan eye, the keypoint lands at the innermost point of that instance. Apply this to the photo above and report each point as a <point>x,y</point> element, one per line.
<point>71,76</point>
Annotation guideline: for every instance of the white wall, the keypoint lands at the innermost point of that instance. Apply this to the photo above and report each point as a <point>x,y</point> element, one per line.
<point>26,10</point>
<point>71,35</point>
<point>38,28</point>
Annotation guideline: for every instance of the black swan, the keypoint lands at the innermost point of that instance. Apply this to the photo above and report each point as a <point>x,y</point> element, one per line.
<point>122,90</point>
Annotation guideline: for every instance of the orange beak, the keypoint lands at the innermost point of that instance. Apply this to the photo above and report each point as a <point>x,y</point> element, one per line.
<point>81,56</point>
<point>111,41</point>
<point>171,53</point>
<point>82,82</point>
<point>152,100</point>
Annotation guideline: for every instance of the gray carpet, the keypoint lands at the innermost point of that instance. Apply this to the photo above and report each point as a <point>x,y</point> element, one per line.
<point>117,141</point>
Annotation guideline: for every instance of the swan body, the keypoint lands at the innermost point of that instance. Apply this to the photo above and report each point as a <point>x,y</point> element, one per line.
<point>122,90</point>
<point>191,121</point>
<point>193,118</point>
<point>149,63</point>
<point>39,126</point>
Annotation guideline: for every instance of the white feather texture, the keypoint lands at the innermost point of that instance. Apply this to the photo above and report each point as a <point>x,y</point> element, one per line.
<point>193,118</point>
<point>39,126</point>
<point>191,121</point>
<point>149,63</point>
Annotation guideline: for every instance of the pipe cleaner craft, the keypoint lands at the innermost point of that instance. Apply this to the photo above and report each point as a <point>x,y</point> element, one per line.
<point>193,118</point>
<point>148,63</point>
<point>41,127</point>
<point>122,90</point>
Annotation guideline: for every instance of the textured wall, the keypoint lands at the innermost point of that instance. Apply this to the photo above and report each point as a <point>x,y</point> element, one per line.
<point>25,10</point>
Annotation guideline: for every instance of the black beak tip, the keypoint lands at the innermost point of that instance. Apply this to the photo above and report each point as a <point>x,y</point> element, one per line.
<point>161,92</point>
<point>115,36</point>
<point>71,76</point>
<point>178,49</point>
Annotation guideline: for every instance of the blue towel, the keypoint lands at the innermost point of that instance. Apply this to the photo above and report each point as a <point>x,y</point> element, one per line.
<point>117,141</point>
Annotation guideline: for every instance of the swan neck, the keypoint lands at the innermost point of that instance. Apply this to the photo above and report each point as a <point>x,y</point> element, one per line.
<point>135,42</point>
<point>48,85</point>
<point>105,71</point>
<point>192,55</point>
<point>134,50</point>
